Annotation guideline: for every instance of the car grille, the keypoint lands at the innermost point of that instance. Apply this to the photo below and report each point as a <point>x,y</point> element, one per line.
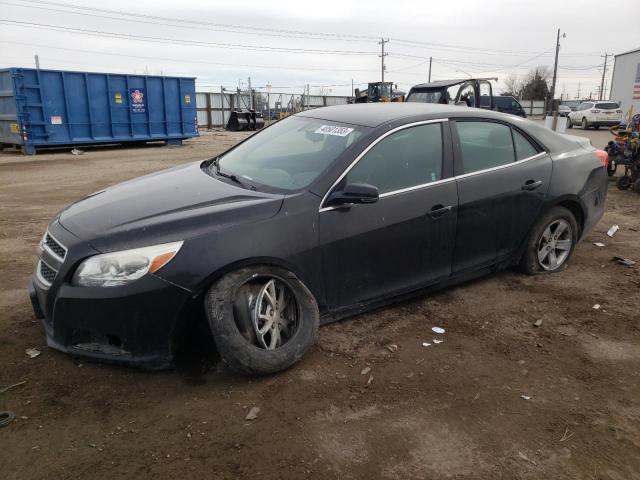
<point>46,273</point>
<point>54,246</point>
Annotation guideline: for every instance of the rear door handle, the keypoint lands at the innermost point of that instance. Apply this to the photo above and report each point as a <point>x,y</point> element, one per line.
<point>531,184</point>
<point>439,210</point>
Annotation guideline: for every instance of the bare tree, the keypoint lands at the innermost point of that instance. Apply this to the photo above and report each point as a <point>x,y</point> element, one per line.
<point>512,86</point>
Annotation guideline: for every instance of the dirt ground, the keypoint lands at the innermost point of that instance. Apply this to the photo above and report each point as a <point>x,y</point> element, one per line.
<point>451,410</point>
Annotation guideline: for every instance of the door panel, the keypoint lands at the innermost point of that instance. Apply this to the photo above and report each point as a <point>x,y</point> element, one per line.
<point>391,246</point>
<point>496,213</point>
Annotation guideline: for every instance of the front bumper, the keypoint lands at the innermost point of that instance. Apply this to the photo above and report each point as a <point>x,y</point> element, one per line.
<point>131,324</point>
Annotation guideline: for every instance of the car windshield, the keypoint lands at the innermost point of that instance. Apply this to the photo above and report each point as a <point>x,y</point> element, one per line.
<point>290,154</point>
<point>607,106</point>
<point>425,97</point>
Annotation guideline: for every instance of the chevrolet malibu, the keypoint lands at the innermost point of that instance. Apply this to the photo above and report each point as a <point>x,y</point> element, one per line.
<point>320,216</point>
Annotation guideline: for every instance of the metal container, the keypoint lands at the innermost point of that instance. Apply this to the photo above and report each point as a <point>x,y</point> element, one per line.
<point>53,108</point>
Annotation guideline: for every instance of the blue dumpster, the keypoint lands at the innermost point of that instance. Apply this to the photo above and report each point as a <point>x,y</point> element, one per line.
<point>53,108</point>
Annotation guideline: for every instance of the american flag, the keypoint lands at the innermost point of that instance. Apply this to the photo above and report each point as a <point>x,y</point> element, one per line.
<point>636,85</point>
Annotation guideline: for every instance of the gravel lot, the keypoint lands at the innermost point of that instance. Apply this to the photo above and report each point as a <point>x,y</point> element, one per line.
<point>452,410</point>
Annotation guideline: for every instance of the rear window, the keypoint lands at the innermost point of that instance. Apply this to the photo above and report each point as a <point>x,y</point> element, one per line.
<point>607,106</point>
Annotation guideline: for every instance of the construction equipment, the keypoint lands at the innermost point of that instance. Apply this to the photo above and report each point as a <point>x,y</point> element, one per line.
<point>469,92</point>
<point>379,92</point>
<point>245,119</point>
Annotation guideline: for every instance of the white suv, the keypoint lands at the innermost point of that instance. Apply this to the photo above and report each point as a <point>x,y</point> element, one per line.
<point>596,114</point>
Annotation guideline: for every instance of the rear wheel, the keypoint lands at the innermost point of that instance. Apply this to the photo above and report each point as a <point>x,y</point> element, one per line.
<point>263,319</point>
<point>569,123</point>
<point>551,242</point>
<point>636,186</point>
<point>585,124</point>
<point>624,182</point>
<point>597,127</point>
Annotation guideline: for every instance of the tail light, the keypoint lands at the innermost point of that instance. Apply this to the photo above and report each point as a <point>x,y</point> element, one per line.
<point>603,157</point>
<point>595,111</point>
<point>618,111</point>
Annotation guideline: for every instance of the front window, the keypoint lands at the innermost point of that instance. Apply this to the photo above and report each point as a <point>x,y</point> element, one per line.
<point>425,97</point>
<point>405,159</point>
<point>290,154</point>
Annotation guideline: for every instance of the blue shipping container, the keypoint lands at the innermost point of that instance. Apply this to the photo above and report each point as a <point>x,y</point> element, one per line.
<point>53,108</point>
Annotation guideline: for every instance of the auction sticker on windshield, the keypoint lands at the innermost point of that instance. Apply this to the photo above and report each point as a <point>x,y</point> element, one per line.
<point>334,130</point>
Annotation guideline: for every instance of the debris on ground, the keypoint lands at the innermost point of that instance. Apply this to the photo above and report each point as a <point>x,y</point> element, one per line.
<point>77,151</point>
<point>525,397</point>
<point>365,370</point>
<point>425,344</point>
<point>6,389</point>
<point>6,418</point>
<point>596,306</point>
<point>624,261</point>
<point>599,244</point>
<point>612,231</point>
<point>537,323</point>
<point>437,330</point>
<point>370,381</point>
<point>567,435</point>
<point>436,341</point>
<point>392,347</point>
<point>253,413</point>
<point>32,352</point>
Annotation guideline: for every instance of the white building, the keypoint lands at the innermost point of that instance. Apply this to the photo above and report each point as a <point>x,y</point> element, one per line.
<point>625,84</point>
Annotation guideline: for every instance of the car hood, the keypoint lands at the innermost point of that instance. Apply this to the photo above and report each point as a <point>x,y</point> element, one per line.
<point>173,204</point>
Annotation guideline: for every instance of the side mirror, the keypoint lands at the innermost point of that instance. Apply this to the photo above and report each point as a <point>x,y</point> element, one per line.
<point>353,193</point>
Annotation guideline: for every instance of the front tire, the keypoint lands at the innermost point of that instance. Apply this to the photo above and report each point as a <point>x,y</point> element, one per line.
<point>551,242</point>
<point>263,319</point>
<point>585,124</point>
<point>569,123</point>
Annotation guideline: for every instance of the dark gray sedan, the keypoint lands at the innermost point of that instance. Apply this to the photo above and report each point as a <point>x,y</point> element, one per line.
<point>323,215</point>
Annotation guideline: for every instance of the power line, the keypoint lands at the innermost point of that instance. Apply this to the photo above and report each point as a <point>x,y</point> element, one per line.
<point>271,67</point>
<point>177,41</point>
<point>198,22</point>
<point>229,29</point>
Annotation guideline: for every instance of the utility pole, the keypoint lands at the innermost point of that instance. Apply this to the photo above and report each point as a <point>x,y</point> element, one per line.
<point>578,94</point>
<point>555,69</point>
<point>430,61</point>
<point>250,93</point>
<point>604,72</point>
<point>37,62</point>
<point>382,55</point>
<point>352,94</point>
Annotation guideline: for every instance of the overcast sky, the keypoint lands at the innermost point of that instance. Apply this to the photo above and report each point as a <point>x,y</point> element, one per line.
<point>328,43</point>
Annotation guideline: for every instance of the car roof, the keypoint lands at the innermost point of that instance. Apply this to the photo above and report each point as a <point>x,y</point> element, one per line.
<point>374,114</point>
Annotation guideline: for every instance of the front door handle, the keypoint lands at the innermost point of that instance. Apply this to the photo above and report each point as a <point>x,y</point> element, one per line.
<point>439,210</point>
<point>531,184</point>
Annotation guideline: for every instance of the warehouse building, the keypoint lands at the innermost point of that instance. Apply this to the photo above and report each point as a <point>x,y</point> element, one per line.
<point>625,85</point>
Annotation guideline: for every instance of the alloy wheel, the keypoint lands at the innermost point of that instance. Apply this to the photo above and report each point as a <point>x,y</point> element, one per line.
<point>555,244</point>
<point>275,315</point>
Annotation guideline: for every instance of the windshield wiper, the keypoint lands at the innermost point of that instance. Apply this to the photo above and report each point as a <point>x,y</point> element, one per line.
<point>231,176</point>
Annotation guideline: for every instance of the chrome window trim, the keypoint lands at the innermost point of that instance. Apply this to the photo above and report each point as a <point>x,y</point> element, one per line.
<point>500,167</point>
<point>46,247</point>
<point>366,150</point>
<point>424,185</point>
<point>45,282</point>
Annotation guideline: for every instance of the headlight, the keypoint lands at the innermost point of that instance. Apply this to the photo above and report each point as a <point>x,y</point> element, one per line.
<point>118,268</point>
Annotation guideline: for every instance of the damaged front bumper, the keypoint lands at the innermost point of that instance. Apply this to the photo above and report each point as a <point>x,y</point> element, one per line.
<point>131,324</point>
